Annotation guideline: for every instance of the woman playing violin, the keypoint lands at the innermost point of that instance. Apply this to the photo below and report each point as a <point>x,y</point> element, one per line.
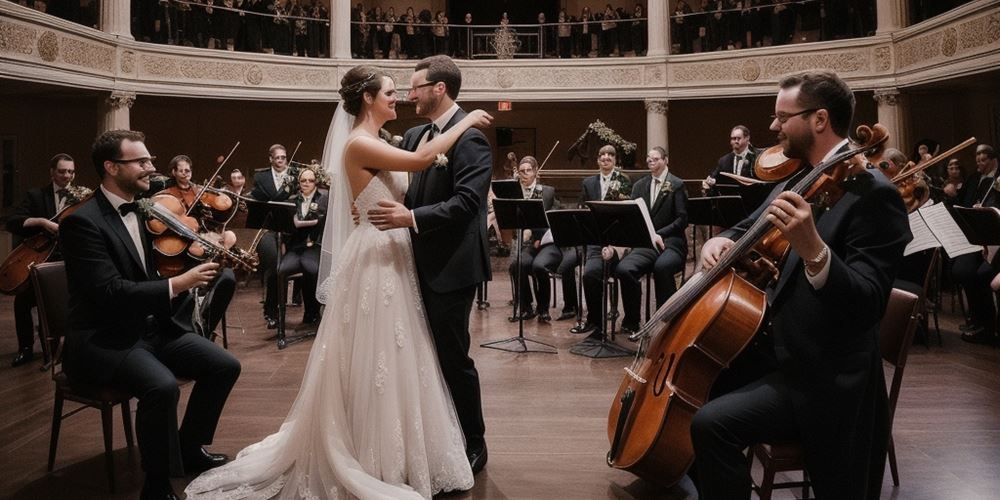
<point>303,247</point>
<point>819,354</point>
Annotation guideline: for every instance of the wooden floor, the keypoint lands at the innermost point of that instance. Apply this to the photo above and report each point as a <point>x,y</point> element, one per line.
<point>546,417</point>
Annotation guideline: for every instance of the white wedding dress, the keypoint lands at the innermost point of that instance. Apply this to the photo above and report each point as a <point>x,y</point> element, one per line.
<point>373,417</point>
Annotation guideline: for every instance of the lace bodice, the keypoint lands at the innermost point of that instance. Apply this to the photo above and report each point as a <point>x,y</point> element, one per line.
<point>385,185</point>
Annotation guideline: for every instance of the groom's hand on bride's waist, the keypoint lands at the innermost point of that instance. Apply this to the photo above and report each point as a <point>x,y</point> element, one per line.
<point>390,215</point>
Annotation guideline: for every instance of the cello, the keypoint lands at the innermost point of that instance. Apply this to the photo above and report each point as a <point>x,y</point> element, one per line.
<point>702,328</point>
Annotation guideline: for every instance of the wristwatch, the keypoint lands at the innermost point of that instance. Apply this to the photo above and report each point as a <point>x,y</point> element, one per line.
<point>817,260</point>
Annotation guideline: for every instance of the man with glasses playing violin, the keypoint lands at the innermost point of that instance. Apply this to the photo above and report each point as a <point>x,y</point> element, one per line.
<point>277,183</point>
<point>33,215</point>
<point>131,330</point>
<point>817,380</point>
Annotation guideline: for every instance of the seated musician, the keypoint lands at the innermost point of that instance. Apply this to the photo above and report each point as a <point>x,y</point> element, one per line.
<point>32,216</point>
<point>823,387</point>
<point>220,294</point>
<point>303,246</point>
<point>913,269</point>
<point>664,196</point>
<point>275,183</point>
<point>131,330</point>
<point>532,248</point>
<point>954,183</point>
<point>609,185</point>
<point>739,161</point>
<point>236,182</point>
<point>972,270</point>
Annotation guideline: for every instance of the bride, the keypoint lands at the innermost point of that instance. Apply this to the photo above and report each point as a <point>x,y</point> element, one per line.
<point>373,417</point>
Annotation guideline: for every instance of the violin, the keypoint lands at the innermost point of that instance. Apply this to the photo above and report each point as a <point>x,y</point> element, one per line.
<point>703,327</point>
<point>177,238</point>
<point>773,166</point>
<point>37,248</point>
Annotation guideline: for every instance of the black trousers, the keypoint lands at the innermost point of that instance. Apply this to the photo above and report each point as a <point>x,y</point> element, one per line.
<point>638,263</point>
<point>593,281</point>
<point>24,325</point>
<point>552,259</point>
<point>448,315</point>
<point>306,261</point>
<point>522,283</point>
<point>974,274</point>
<point>267,251</point>
<point>149,372</point>
<point>219,297</point>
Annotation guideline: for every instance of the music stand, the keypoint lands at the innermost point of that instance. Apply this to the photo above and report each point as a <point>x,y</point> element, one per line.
<point>276,216</point>
<point>520,215</point>
<point>574,227</point>
<point>507,189</point>
<point>621,224</point>
<point>981,225</point>
<point>713,211</point>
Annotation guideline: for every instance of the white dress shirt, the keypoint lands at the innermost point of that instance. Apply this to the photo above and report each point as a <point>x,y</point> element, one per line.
<point>819,279</point>
<point>440,122</point>
<point>655,186</point>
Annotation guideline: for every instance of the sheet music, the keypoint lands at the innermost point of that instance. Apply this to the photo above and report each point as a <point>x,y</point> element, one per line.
<point>923,238</point>
<point>649,223</point>
<point>944,228</point>
<point>546,238</point>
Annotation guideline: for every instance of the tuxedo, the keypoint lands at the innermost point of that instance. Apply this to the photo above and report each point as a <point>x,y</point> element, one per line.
<point>971,270</point>
<point>126,331</point>
<point>727,163</point>
<point>37,202</point>
<point>304,257</point>
<point>825,389</point>
<point>593,267</point>
<point>451,253</point>
<point>669,217</point>
<point>264,189</point>
<point>528,254</point>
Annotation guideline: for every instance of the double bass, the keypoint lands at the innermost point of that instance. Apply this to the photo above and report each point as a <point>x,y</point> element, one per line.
<point>702,328</point>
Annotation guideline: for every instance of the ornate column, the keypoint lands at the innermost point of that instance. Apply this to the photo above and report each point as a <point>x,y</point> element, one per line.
<point>117,110</point>
<point>116,18</point>
<point>658,27</point>
<point>656,124</point>
<point>890,15</point>
<point>891,114</point>
<point>340,29</point>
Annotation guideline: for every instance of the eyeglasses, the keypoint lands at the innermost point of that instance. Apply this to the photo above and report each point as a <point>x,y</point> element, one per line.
<point>281,157</point>
<point>141,161</point>
<point>407,93</point>
<point>784,117</point>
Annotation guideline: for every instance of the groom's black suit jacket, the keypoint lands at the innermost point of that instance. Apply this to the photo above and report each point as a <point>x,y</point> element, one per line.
<point>114,301</point>
<point>449,204</point>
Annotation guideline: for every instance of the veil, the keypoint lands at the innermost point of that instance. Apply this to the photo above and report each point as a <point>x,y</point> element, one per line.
<point>339,222</point>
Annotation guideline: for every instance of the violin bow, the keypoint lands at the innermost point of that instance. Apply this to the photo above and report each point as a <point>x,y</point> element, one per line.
<point>204,186</point>
<point>553,150</point>
<point>924,165</point>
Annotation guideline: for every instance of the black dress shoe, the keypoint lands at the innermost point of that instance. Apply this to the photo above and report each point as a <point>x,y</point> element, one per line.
<point>543,317</point>
<point>271,323</point>
<point>24,356</point>
<point>968,327</point>
<point>525,314</point>
<point>570,314</point>
<point>157,490</point>
<point>978,336</point>
<point>200,460</point>
<point>310,320</point>
<point>477,458</point>
<point>586,327</point>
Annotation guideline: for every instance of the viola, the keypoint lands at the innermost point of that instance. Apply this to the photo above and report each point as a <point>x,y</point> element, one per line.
<point>37,248</point>
<point>773,166</point>
<point>702,328</point>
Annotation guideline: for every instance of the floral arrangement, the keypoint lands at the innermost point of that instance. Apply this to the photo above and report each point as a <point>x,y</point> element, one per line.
<point>610,136</point>
<point>619,188</point>
<point>76,194</point>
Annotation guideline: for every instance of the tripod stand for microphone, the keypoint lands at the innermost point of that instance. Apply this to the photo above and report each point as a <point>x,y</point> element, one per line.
<point>519,214</point>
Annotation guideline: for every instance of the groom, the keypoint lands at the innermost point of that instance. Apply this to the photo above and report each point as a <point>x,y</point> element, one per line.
<point>446,211</point>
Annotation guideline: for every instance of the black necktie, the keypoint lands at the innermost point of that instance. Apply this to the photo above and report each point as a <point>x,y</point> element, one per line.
<point>127,208</point>
<point>433,131</point>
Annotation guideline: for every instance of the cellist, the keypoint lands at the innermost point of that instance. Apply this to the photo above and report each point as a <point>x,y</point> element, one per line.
<point>31,216</point>
<point>822,383</point>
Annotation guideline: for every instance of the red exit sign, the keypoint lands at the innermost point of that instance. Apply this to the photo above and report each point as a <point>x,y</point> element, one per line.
<point>503,106</point>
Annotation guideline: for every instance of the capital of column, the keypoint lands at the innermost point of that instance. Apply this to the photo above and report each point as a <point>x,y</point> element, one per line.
<point>656,107</point>
<point>121,99</point>
<point>887,97</point>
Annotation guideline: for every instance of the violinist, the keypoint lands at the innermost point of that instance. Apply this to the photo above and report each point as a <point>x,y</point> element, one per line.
<point>32,216</point>
<point>818,380</point>
<point>303,246</point>
<point>738,161</point>
<point>220,294</point>
<point>131,330</point>
<point>536,252</point>
<point>972,270</point>
<point>272,184</point>
<point>954,181</point>
<point>236,182</point>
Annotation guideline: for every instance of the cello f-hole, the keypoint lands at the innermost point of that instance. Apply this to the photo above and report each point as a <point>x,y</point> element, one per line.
<point>660,380</point>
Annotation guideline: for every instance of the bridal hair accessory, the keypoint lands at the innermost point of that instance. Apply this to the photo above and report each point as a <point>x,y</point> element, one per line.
<point>356,88</point>
<point>441,161</point>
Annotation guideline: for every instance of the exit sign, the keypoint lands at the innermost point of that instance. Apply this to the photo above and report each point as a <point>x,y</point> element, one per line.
<point>503,106</point>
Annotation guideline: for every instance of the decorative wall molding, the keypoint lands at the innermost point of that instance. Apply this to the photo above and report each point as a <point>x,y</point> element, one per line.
<point>121,99</point>
<point>38,47</point>
<point>657,107</point>
<point>886,97</point>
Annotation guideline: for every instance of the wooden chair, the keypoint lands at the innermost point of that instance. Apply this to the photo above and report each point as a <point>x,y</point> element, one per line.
<point>902,314</point>
<point>52,292</point>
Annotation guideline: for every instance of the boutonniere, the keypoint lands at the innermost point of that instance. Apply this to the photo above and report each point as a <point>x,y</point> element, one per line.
<point>313,207</point>
<point>536,193</point>
<point>441,161</point>
<point>666,187</point>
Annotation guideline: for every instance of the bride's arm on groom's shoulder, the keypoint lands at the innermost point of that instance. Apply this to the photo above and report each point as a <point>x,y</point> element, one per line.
<point>373,153</point>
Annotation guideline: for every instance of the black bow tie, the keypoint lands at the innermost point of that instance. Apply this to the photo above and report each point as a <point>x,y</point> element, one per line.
<point>127,208</point>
